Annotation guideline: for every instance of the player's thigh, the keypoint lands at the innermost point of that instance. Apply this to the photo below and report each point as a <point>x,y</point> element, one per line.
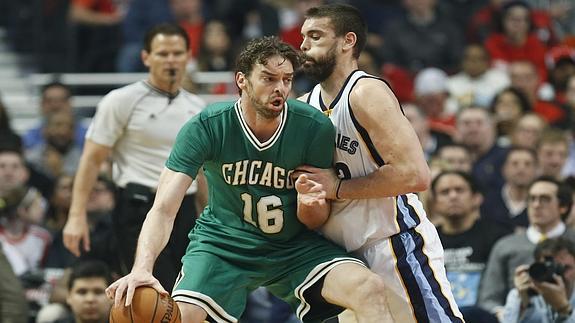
<point>192,313</point>
<point>218,287</point>
<point>411,266</point>
<point>350,283</point>
<point>300,276</point>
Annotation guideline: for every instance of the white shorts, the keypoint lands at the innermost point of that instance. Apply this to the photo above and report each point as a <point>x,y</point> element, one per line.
<point>411,265</point>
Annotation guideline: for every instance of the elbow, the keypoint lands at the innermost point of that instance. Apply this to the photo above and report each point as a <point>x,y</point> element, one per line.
<point>420,179</point>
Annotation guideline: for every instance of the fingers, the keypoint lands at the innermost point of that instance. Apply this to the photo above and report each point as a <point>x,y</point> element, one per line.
<point>157,286</point>
<point>130,294</point>
<point>71,243</point>
<point>86,239</point>
<point>119,293</point>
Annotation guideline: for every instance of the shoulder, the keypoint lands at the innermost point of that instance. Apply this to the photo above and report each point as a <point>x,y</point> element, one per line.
<point>126,94</point>
<point>369,87</point>
<point>193,98</point>
<point>304,110</point>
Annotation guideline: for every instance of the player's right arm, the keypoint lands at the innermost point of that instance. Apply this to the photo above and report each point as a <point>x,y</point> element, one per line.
<point>154,236</point>
<point>76,231</point>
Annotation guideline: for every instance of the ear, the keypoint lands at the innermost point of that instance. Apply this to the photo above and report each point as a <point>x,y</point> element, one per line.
<point>145,56</point>
<point>349,41</point>
<point>241,80</point>
<point>477,199</point>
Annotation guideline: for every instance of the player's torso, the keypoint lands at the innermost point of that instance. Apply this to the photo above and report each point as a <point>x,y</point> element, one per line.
<point>250,181</point>
<point>355,223</point>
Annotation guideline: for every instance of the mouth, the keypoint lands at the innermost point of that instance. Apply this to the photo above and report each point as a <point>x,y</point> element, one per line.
<point>277,102</point>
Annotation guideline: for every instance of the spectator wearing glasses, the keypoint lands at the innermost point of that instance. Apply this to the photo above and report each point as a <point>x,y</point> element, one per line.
<point>548,203</point>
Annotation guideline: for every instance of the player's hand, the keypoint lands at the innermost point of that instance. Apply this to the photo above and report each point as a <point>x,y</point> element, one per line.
<point>310,193</point>
<point>127,286</point>
<point>76,233</point>
<point>325,177</point>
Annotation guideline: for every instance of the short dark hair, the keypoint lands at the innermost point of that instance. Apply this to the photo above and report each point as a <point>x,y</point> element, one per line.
<point>344,19</point>
<point>259,50</point>
<point>59,84</point>
<point>553,246</point>
<point>165,29</point>
<point>513,149</point>
<point>521,97</point>
<point>452,145</point>
<point>465,176</point>
<point>90,269</point>
<point>564,193</point>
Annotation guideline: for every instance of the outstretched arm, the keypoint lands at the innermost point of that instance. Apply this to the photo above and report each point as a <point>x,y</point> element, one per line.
<point>154,236</point>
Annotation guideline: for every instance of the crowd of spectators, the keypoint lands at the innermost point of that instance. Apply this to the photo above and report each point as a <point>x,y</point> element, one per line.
<point>488,85</point>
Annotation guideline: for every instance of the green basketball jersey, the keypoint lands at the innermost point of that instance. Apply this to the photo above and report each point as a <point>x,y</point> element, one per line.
<point>252,199</point>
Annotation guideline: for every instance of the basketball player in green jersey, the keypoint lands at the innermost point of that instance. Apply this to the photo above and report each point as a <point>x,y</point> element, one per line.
<point>249,235</point>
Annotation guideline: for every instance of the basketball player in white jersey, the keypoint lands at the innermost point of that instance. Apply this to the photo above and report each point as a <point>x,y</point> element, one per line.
<point>379,163</point>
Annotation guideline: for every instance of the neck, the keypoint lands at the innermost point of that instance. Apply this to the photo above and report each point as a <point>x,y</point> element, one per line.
<point>262,127</point>
<point>15,228</point>
<point>171,87</point>
<point>332,85</point>
<point>457,225</point>
<point>422,17</point>
<point>516,193</point>
<point>545,228</point>
<point>517,39</point>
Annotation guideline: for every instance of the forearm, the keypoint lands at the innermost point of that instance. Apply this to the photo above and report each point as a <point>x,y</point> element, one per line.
<point>313,216</point>
<point>387,181</point>
<point>84,182</point>
<point>153,238</point>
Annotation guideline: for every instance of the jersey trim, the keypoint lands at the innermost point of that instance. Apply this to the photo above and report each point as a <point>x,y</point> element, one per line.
<point>214,310</point>
<point>338,96</point>
<point>419,279</point>
<point>362,131</point>
<point>407,216</point>
<point>316,274</point>
<point>260,146</point>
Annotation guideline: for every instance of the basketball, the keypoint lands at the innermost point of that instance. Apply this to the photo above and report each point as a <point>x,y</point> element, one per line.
<point>147,306</point>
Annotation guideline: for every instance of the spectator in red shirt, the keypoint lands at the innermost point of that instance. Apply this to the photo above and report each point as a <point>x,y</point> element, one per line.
<point>524,77</point>
<point>515,40</point>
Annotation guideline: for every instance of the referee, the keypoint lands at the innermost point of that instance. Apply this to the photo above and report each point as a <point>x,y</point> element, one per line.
<point>136,125</point>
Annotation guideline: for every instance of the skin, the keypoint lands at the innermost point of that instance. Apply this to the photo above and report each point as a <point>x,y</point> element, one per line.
<point>544,214</point>
<point>555,294</point>
<point>88,301</point>
<point>552,158</point>
<point>457,204</point>
<point>405,169</point>
<point>455,158</point>
<point>168,52</point>
<point>344,285</point>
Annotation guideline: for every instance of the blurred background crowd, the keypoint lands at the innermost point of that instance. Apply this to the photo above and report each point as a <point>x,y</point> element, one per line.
<point>488,85</point>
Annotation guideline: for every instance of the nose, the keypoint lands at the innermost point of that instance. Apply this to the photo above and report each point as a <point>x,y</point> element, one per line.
<point>304,46</point>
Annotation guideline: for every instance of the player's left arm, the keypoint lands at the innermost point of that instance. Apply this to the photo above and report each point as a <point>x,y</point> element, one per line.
<point>405,170</point>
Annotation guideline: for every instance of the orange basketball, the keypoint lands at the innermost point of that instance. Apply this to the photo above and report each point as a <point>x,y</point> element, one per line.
<point>147,306</point>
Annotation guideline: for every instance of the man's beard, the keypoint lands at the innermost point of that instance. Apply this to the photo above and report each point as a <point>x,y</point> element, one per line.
<point>260,106</point>
<point>321,68</point>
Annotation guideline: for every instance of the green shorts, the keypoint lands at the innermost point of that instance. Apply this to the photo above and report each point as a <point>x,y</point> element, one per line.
<point>218,278</point>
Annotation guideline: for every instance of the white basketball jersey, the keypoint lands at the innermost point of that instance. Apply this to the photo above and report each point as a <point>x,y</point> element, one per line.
<point>357,223</point>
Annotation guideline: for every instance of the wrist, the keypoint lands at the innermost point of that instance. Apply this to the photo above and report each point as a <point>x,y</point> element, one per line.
<point>565,310</point>
<point>337,189</point>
